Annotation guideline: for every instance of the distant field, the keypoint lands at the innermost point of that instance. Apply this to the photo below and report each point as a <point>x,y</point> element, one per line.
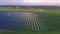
<point>30,10</point>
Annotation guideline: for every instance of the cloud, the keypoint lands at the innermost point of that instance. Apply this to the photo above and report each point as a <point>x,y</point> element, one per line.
<point>29,2</point>
<point>10,2</point>
<point>41,1</point>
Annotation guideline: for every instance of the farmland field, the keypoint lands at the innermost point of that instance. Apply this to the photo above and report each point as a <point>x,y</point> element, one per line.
<point>20,21</point>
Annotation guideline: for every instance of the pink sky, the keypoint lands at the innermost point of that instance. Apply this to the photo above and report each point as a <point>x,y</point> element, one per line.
<point>36,1</point>
<point>29,2</point>
<point>41,1</point>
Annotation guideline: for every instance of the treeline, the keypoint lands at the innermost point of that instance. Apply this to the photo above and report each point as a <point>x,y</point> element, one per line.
<point>31,7</point>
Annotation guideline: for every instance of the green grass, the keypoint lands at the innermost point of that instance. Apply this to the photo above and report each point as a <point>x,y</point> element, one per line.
<point>30,10</point>
<point>50,12</point>
<point>29,32</point>
<point>53,22</point>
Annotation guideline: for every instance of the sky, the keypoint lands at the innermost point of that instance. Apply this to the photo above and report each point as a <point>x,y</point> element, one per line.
<point>30,2</point>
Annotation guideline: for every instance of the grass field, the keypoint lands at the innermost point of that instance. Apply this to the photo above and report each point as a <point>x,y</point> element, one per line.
<point>30,10</point>
<point>50,17</point>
